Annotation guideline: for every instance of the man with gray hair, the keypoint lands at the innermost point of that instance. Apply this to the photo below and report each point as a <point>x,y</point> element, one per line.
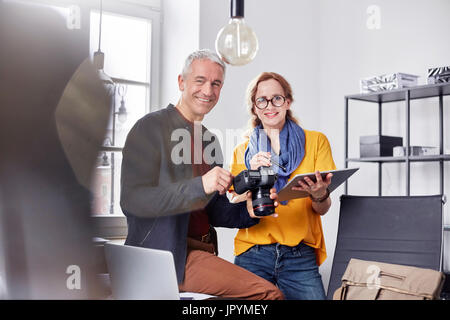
<point>173,205</point>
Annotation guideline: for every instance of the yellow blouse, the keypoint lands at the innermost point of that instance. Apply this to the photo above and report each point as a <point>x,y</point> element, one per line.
<point>297,221</point>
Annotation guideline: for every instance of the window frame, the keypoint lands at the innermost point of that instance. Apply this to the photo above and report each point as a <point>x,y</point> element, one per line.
<point>149,12</point>
<point>114,226</point>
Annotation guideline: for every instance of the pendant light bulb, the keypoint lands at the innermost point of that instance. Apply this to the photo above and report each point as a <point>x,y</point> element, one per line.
<point>236,43</point>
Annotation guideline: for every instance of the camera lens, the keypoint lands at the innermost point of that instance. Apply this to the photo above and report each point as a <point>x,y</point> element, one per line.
<point>262,204</point>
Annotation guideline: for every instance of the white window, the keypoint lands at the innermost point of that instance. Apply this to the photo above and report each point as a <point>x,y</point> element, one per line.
<point>130,43</point>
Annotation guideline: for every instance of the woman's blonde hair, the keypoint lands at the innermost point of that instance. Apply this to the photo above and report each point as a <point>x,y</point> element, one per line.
<point>251,94</point>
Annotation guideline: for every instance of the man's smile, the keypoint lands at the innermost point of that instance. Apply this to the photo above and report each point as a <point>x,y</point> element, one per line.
<point>206,100</point>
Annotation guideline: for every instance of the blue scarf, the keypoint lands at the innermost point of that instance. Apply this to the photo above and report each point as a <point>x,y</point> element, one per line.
<point>292,150</point>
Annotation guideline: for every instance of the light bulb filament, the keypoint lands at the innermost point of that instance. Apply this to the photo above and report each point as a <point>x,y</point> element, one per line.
<point>238,40</point>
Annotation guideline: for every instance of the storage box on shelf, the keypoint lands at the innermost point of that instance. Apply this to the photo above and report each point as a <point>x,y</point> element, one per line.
<point>378,145</point>
<point>438,75</point>
<point>388,82</point>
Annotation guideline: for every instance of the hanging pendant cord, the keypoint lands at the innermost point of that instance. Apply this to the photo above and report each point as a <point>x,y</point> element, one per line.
<point>100,26</point>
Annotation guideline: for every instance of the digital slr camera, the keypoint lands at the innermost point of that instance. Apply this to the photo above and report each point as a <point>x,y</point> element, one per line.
<point>259,182</point>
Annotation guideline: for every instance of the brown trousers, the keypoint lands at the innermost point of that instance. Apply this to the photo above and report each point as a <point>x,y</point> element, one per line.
<point>209,274</point>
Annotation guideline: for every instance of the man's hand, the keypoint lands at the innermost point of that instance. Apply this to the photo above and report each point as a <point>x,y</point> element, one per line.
<point>217,179</point>
<point>273,196</point>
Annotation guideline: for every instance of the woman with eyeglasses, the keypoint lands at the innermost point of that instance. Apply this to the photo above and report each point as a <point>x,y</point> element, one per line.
<point>286,249</point>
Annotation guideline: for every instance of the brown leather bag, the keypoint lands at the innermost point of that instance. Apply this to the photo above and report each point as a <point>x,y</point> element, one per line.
<point>370,280</point>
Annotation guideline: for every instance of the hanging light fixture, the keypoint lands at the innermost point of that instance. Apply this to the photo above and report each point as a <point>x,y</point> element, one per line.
<point>236,43</point>
<point>99,56</point>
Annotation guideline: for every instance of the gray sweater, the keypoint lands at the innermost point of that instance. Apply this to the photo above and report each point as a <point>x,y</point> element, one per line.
<point>157,194</point>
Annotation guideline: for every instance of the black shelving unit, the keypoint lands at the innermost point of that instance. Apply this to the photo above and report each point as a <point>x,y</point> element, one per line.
<point>419,92</point>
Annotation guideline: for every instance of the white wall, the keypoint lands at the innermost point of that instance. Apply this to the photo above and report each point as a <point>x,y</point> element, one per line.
<point>294,57</point>
<point>180,36</point>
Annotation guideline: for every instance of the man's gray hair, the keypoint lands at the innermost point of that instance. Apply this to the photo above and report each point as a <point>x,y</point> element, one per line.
<point>200,55</point>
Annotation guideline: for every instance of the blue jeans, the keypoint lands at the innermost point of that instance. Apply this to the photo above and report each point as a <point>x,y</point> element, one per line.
<point>293,269</point>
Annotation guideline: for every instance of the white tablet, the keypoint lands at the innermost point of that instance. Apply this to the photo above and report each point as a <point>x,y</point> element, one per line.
<point>339,176</point>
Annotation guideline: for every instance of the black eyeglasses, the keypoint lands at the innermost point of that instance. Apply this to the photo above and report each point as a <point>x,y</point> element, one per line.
<point>262,102</point>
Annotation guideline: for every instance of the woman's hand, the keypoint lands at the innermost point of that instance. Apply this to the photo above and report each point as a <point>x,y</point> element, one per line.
<point>318,189</point>
<point>273,196</point>
<point>260,159</point>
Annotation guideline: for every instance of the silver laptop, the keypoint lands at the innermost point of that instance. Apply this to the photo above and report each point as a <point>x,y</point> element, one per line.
<point>141,273</point>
